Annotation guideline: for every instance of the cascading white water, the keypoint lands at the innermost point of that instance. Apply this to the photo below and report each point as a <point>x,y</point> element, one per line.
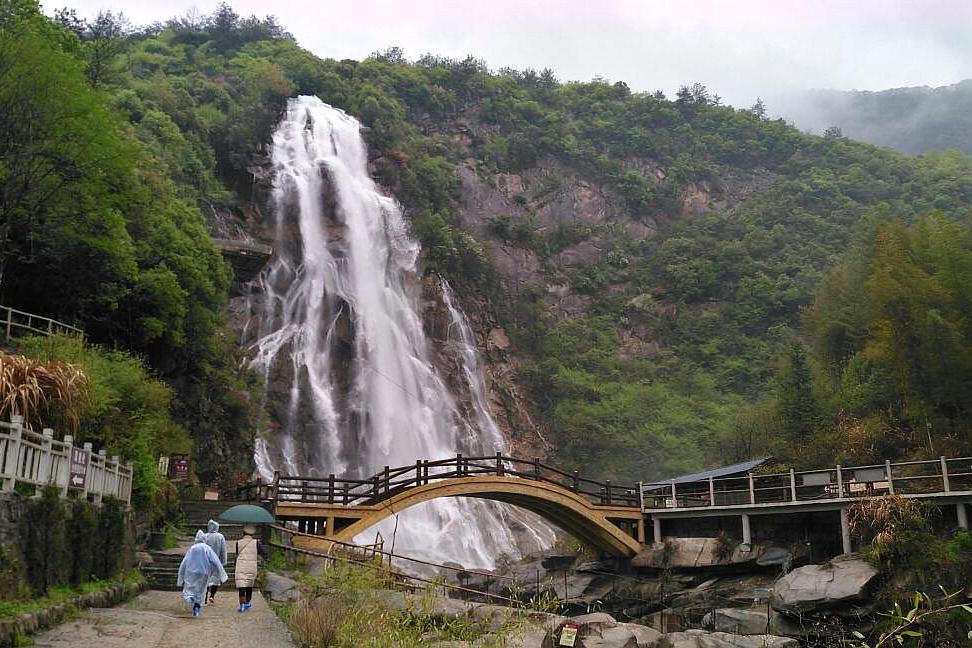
<point>341,329</point>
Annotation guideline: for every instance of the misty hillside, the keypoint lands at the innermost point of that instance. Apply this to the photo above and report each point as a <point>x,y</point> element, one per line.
<point>911,120</point>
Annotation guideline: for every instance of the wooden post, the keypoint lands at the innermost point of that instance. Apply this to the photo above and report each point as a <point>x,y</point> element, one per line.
<point>418,472</point>
<point>752,490</point>
<point>607,486</point>
<point>375,485</point>
<point>793,497</point>
<point>499,464</point>
<point>536,467</point>
<point>330,488</point>
<point>459,465</point>
<point>425,471</point>
<point>329,530</point>
<point>347,495</point>
<point>641,532</point>
<point>387,479</point>
<point>711,491</point>
<point>887,473</point>
<point>576,480</point>
<point>945,483</point>
<point>840,484</point>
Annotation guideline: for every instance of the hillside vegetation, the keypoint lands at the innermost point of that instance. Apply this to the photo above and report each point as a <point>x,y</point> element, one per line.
<point>743,288</point>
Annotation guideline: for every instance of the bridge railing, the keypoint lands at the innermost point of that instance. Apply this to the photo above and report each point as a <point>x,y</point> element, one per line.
<point>942,475</point>
<point>390,481</point>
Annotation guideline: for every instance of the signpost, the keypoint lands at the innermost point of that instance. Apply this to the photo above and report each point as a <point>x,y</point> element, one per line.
<point>79,468</point>
<point>180,468</point>
<point>568,635</point>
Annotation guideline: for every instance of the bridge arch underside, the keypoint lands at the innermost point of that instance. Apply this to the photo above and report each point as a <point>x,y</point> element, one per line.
<point>588,522</point>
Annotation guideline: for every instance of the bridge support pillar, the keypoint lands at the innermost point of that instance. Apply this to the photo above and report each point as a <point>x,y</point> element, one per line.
<point>747,538</point>
<point>963,516</point>
<point>656,529</point>
<point>845,538</point>
<point>641,530</point>
<point>329,529</point>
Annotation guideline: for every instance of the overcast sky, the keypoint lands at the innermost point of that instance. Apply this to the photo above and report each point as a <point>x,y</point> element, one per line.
<point>741,49</point>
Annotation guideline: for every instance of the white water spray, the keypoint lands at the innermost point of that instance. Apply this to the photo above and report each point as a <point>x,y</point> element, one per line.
<point>341,329</point>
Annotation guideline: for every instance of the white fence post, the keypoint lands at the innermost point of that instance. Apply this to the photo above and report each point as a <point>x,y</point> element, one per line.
<point>115,477</point>
<point>9,456</point>
<point>45,461</point>
<point>64,472</point>
<point>89,476</point>
<point>102,476</point>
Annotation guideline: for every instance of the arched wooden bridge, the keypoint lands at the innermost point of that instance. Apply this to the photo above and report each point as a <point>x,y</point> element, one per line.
<point>604,515</point>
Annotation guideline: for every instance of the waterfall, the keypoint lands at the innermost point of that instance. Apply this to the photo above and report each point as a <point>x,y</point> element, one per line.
<point>341,340</point>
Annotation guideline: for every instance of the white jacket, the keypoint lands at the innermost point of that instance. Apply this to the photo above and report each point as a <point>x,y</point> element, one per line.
<point>246,561</point>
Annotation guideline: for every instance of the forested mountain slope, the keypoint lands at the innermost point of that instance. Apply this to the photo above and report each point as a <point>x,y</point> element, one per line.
<point>654,262</point>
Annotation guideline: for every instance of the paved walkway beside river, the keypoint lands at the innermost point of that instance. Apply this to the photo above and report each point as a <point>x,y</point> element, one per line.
<point>161,619</point>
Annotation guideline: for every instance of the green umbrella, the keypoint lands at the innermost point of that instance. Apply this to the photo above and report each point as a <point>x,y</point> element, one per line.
<point>246,514</point>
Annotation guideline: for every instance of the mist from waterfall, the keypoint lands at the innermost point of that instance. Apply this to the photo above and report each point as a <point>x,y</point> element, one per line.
<point>340,327</point>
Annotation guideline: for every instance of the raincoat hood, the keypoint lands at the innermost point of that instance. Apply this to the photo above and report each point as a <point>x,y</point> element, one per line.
<point>200,536</point>
<point>213,526</point>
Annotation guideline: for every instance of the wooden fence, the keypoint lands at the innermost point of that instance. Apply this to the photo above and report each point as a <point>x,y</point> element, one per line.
<point>40,460</point>
<point>15,322</point>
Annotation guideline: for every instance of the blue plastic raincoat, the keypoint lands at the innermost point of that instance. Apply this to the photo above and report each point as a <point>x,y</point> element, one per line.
<point>216,542</point>
<point>199,566</point>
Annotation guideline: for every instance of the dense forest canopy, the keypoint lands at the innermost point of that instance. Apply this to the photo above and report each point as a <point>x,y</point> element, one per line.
<point>812,309</point>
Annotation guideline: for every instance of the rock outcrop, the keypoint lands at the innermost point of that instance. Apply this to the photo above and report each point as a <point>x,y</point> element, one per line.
<point>817,588</point>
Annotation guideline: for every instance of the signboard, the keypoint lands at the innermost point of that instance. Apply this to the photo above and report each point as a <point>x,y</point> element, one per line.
<point>180,468</point>
<point>79,468</point>
<point>568,635</point>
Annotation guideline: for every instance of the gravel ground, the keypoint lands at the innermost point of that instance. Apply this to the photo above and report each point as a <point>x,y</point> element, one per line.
<point>161,619</point>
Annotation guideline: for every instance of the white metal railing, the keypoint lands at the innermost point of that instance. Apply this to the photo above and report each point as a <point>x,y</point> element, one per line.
<point>38,459</point>
<point>910,478</point>
<point>14,321</point>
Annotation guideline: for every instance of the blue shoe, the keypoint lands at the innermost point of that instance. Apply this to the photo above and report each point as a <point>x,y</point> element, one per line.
<point>196,611</point>
<point>241,608</point>
<point>247,606</point>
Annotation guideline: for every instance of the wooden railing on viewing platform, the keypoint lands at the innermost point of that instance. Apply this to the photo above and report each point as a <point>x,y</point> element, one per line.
<point>40,460</point>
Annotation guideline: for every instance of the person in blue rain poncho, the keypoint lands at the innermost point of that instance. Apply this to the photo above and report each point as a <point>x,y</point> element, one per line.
<point>216,542</point>
<point>199,566</point>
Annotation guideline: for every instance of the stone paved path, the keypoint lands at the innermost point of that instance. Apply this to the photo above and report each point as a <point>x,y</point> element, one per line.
<point>162,620</point>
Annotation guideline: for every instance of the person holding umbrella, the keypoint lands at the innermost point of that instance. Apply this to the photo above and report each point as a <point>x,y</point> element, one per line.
<point>247,548</point>
<point>246,566</point>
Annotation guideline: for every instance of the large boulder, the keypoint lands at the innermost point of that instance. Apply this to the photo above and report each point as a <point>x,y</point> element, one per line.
<point>814,588</point>
<point>750,622</point>
<point>703,639</point>
<point>281,589</point>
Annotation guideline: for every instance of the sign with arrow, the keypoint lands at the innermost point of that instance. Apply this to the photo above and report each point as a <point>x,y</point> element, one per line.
<point>79,468</point>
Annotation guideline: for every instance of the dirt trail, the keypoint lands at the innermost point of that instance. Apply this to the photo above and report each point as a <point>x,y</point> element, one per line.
<point>162,619</point>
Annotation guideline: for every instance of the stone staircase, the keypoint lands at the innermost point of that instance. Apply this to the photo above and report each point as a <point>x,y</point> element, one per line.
<point>162,572</point>
<point>195,515</point>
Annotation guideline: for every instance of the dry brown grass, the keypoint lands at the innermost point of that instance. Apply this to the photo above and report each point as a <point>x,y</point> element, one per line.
<point>318,622</point>
<point>881,521</point>
<point>35,390</point>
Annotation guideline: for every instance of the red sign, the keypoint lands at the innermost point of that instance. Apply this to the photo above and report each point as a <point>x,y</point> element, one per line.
<point>179,468</point>
<point>79,468</point>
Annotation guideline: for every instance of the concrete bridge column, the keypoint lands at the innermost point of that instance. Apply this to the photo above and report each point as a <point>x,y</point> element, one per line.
<point>963,516</point>
<point>747,538</point>
<point>845,538</point>
<point>657,529</point>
